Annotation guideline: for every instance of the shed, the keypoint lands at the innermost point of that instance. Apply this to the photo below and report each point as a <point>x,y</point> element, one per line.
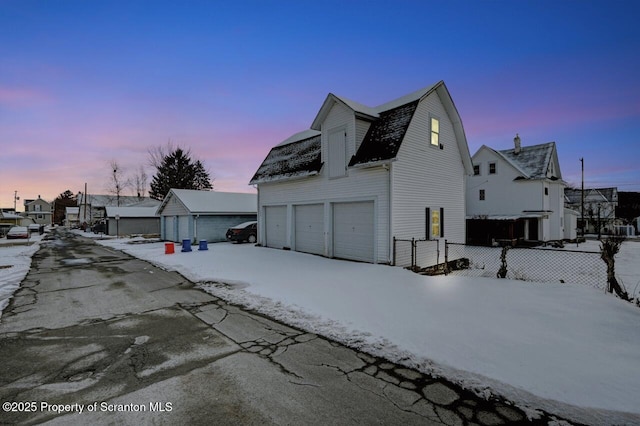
<point>132,220</point>
<point>203,215</point>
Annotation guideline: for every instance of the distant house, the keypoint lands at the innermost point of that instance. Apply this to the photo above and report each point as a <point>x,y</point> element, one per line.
<point>600,206</point>
<point>361,176</point>
<point>93,207</point>
<point>132,220</point>
<point>39,210</point>
<point>72,217</point>
<point>187,214</point>
<point>515,195</point>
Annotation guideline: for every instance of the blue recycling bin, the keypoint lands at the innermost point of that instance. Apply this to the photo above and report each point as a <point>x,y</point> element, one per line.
<point>186,245</point>
<point>203,245</point>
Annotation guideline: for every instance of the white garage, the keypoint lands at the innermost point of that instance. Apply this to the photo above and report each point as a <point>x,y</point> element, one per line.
<point>276,226</point>
<point>309,228</point>
<point>353,231</point>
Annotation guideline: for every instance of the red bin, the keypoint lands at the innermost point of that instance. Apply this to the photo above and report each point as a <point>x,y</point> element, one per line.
<point>169,248</point>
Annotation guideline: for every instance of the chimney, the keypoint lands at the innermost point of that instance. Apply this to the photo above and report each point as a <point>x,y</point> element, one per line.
<point>516,142</point>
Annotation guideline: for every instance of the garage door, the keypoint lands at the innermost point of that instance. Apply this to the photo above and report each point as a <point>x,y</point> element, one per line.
<point>183,228</point>
<point>169,228</point>
<point>309,228</point>
<point>353,231</point>
<point>276,226</point>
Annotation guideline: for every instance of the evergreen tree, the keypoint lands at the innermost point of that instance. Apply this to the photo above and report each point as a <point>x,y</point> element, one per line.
<point>176,170</point>
<point>64,200</point>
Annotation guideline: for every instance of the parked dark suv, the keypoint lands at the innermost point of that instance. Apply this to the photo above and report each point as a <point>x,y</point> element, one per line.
<point>246,231</point>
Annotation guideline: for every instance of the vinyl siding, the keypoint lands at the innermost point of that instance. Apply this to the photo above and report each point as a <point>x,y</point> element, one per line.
<point>425,176</point>
<point>174,208</point>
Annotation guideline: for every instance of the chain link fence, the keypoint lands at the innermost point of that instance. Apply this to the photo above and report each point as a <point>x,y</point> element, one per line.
<point>527,264</point>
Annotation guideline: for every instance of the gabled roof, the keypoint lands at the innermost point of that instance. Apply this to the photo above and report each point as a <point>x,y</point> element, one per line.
<point>291,159</point>
<point>534,161</point>
<point>212,202</point>
<point>300,155</point>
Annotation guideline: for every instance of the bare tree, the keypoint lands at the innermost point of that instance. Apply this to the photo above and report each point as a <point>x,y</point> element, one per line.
<point>608,250</point>
<point>140,180</point>
<point>117,181</point>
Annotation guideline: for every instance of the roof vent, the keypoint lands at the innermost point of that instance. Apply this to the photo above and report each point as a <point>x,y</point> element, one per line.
<point>516,142</point>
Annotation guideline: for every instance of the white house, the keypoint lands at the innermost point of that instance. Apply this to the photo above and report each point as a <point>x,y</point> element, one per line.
<point>39,210</point>
<point>187,214</point>
<point>361,176</point>
<point>515,195</point>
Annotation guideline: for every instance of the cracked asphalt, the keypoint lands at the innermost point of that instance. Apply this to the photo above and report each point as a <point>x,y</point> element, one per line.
<point>92,328</point>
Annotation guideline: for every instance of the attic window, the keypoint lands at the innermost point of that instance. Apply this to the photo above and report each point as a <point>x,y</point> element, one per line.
<point>492,168</point>
<point>435,132</point>
<point>476,170</point>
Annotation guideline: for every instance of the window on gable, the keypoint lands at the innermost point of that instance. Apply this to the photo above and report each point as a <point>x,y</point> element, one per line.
<point>476,170</point>
<point>435,132</point>
<point>492,168</point>
<point>546,190</point>
<point>482,195</point>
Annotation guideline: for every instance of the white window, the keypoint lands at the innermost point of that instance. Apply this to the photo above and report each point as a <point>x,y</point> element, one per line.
<point>476,169</point>
<point>337,153</point>
<point>435,131</point>
<point>492,168</point>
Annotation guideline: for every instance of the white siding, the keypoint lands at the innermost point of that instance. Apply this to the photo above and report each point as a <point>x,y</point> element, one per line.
<point>174,208</point>
<point>427,176</point>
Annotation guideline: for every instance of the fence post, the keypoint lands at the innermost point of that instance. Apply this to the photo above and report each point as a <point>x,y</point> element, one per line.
<point>446,257</point>
<point>413,254</point>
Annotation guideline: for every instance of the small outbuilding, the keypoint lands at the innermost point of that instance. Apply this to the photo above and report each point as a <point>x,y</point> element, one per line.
<point>203,215</point>
<point>132,220</point>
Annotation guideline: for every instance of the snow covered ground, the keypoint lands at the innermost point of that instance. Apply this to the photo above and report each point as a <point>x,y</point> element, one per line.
<point>567,348</point>
<point>15,261</point>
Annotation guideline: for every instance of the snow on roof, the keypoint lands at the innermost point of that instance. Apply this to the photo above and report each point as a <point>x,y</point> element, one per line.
<point>289,161</point>
<point>533,160</point>
<point>131,211</point>
<point>297,157</point>
<point>297,137</point>
<point>214,202</point>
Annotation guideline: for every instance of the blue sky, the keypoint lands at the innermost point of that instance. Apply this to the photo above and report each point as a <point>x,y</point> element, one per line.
<point>85,82</point>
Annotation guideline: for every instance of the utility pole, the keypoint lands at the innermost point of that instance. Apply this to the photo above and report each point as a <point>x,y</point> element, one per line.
<point>15,199</point>
<point>582,198</point>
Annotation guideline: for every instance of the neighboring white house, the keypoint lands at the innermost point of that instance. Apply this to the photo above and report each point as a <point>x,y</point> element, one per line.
<point>516,195</point>
<point>187,214</point>
<point>599,208</point>
<point>362,176</point>
<point>39,210</point>
<point>132,220</point>
<point>72,217</point>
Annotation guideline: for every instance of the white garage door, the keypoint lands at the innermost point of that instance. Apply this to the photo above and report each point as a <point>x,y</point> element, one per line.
<point>353,231</point>
<point>309,229</point>
<point>275,226</point>
<point>169,228</point>
<point>183,228</point>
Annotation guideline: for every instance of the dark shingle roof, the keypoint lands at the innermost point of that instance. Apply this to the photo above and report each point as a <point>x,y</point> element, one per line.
<point>291,160</point>
<point>385,135</point>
